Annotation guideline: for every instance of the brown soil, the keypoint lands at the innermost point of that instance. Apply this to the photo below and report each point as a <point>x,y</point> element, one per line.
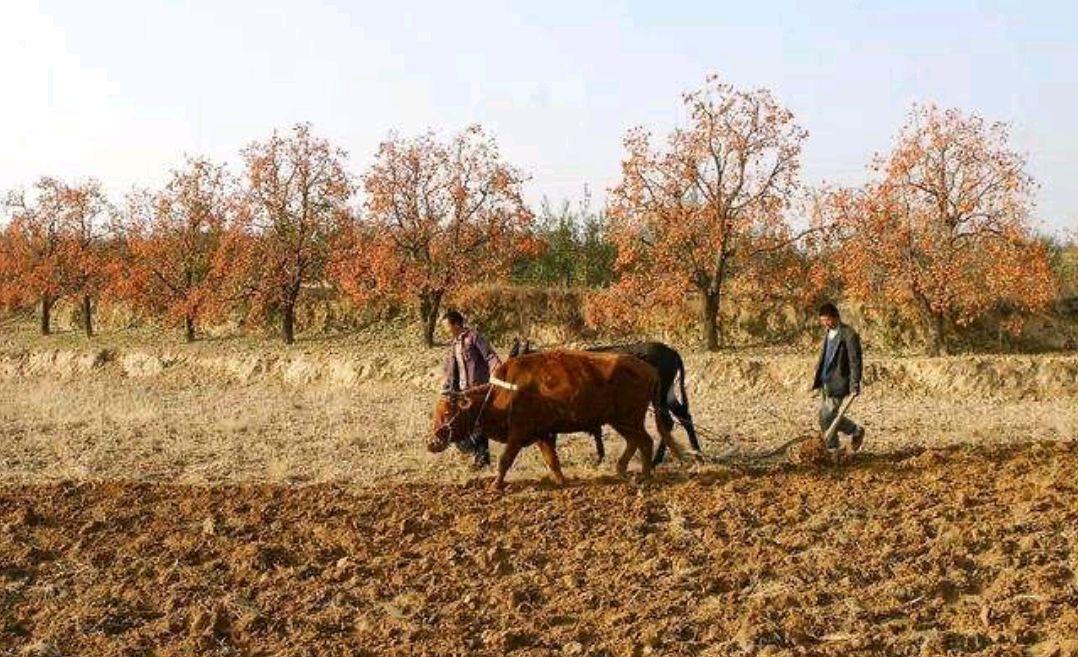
<point>958,551</point>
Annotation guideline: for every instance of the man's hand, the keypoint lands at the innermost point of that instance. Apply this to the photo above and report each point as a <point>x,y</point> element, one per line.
<point>856,391</point>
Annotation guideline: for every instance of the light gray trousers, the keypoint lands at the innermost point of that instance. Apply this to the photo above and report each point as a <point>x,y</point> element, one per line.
<point>828,410</point>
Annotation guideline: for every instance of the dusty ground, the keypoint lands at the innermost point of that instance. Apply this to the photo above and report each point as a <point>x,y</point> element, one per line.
<point>236,501</point>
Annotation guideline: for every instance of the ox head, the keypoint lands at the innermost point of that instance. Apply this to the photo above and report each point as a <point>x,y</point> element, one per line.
<point>453,419</point>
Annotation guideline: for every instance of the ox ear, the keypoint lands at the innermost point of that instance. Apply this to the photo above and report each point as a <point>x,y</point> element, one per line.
<point>527,346</point>
<point>514,351</point>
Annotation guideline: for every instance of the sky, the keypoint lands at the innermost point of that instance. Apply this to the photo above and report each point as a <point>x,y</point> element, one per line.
<point>123,90</point>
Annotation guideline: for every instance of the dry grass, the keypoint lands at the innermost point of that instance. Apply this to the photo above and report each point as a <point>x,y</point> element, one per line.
<point>218,414</point>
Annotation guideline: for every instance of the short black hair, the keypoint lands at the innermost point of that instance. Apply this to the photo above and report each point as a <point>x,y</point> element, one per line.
<point>454,317</point>
<point>829,310</point>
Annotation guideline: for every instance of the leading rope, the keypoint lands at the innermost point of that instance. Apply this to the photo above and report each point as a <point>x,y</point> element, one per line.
<point>724,437</point>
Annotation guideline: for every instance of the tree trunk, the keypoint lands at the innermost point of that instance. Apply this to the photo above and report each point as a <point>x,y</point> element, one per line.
<point>938,343</point>
<point>711,320</point>
<point>46,314</point>
<point>189,327</point>
<point>288,309</point>
<point>429,304</point>
<point>288,322</point>
<point>711,288</point>
<point>87,316</point>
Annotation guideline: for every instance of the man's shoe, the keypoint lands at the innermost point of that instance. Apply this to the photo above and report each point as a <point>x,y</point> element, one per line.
<point>482,461</point>
<point>857,440</point>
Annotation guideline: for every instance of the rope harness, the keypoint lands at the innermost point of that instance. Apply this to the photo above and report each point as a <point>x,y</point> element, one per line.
<point>495,381</point>
<point>448,424</point>
<point>469,438</point>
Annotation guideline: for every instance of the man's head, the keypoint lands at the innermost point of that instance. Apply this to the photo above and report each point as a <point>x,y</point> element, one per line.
<point>454,322</point>
<point>829,317</point>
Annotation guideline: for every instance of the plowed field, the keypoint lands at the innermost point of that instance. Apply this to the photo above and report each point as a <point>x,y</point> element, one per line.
<point>955,551</point>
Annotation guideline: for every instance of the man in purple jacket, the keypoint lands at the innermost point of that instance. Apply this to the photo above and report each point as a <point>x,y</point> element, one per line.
<point>469,363</point>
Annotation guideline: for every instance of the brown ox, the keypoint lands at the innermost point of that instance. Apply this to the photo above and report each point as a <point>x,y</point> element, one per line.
<point>556,392</point>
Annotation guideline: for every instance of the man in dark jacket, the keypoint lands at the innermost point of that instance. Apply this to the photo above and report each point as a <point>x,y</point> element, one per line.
<point>838,374</point>
<point>469,363</point>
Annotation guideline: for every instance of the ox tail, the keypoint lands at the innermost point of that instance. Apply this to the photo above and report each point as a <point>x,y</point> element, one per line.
<point>683,412</point>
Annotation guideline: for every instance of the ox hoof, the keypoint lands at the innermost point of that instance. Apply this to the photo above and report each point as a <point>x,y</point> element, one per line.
<point>497,486</point>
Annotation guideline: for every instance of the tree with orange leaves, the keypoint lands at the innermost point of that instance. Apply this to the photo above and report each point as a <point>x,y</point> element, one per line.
<point>30,257</point>
<point>944,233</point>
<point>55,247</point>
<point>184,243</point>
<point>708,206</point>
<point>298,192</point>
<point>439,215</point>
<point>85,256</point>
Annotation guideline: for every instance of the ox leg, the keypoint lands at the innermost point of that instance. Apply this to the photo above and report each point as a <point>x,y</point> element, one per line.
<point>600,449</point>
<point>509,454</point>
<point>636,439</point>
<point>681,411</point>
<point>646,447</point>
<point>550,454</point>
<point>660,453</point>
<point>665,424</point>
<point>663,421</point>
<point>626,457</point>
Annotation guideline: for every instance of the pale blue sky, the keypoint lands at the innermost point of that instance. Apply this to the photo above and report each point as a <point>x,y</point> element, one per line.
<point>121,90</point>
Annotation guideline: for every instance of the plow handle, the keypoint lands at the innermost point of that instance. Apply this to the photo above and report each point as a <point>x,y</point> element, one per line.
<point>838,418</point>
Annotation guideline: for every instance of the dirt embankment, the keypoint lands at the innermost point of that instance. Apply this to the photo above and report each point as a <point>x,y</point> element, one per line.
<point>1011,377</point>
<point>291,368</point>
<point>962,551</point>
